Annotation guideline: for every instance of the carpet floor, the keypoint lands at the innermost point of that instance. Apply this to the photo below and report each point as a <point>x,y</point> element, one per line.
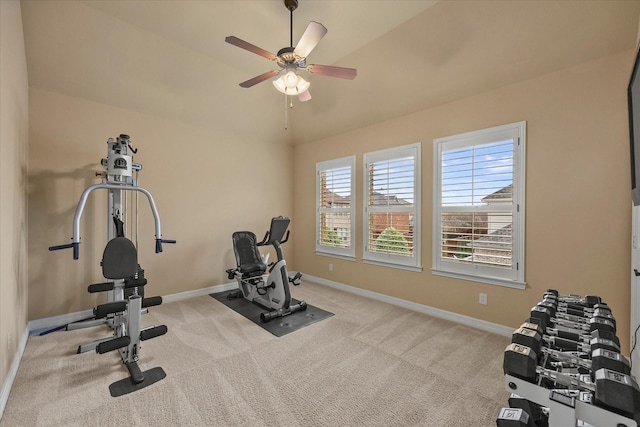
<point>371,364</point>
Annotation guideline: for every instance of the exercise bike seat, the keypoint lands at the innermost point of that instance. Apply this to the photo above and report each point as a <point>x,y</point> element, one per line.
<point>120,259</point>
<point>248,258</point>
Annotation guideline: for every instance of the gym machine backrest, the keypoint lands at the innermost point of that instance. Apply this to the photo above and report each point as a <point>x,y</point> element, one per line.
<point>119,259</point>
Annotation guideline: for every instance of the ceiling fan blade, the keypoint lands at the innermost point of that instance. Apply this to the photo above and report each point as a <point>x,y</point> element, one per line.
<point>304,96</point>
<point>259,79</point>
<point>312,35</point>
<point>248,46</point>
<point>328,70</point>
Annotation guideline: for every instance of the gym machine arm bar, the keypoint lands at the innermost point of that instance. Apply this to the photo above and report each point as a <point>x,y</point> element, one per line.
<point>80,209</point>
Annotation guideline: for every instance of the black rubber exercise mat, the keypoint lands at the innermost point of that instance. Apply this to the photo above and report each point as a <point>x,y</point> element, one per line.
<point>278,327</point>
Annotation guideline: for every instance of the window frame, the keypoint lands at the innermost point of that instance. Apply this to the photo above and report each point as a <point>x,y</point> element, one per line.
<point>513,277</point>
<point>346,253</point>
<point>413,262</point>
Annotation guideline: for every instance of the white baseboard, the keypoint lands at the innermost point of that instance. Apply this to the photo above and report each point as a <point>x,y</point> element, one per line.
<point>198,292</point>
<point>43,324</point>
<point>414,306</point>
<point>13,370</point>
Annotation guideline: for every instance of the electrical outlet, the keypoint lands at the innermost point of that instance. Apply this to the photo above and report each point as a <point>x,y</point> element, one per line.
<point>330,267</point>
<point>483,299</point>
<point>9,341</point>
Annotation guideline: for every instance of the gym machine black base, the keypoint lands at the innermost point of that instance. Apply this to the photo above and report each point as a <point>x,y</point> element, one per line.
<point>128,385</point>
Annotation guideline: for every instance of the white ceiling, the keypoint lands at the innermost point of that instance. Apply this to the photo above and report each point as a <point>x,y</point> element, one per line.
<point>169,58</point>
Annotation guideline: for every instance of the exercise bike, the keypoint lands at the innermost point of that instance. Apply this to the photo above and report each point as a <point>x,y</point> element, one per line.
<point>271,292</point>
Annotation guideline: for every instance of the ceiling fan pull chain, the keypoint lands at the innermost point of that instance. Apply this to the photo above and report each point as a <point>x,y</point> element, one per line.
<point>286,113</point>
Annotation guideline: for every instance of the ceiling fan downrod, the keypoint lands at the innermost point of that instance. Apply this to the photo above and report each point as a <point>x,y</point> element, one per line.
<point>291,5</point>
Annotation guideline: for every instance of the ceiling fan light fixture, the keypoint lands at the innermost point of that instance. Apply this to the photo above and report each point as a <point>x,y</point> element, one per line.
<point>291,79</point>
<point>291,84</point>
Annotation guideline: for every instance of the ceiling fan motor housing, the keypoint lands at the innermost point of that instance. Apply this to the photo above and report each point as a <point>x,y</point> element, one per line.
<point>286,56</point>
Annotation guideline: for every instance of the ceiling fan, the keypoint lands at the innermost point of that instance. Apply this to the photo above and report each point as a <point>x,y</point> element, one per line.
<point>292,59</point>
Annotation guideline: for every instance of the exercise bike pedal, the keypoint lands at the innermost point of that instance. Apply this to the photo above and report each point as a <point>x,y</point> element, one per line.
<point>114,344</point>
<point>295,280</point>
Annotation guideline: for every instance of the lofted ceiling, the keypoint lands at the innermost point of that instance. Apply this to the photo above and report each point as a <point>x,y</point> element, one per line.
<point>169,59</point>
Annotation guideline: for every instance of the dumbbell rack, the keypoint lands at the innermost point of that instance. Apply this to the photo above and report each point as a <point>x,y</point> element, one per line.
<point>543,397</point>
<point>564,410</point>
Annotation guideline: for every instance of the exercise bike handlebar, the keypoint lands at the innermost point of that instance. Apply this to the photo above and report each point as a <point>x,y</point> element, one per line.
<point>265,239</point>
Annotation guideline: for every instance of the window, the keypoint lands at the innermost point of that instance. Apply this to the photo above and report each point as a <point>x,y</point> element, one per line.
<point>392,207</point>
<point>479,205</point>
<point>335,219</point>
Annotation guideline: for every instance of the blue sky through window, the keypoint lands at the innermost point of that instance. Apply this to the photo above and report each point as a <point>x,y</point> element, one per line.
<point>473,173</point>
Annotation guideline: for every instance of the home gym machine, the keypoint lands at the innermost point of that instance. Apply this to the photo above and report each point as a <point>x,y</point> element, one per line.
<point>271,292</point>
<point>564,368</point>
<point>125,285</point>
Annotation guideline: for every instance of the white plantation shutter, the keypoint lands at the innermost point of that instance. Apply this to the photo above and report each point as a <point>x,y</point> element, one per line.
<point>479,205</point>
<point>392,207</point>
<point>335,220</point>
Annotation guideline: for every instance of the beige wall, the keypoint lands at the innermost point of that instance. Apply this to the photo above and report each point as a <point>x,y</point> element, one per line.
<point>206,184</point>
<point>578,216</point>
<point>14,129</point>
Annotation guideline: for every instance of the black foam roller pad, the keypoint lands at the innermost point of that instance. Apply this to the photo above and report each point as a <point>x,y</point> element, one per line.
<point>100,287</point>
<point>111,307</point>
<point>113,344</point>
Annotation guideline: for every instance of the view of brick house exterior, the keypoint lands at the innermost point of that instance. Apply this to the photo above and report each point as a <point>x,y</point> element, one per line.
<point>401,221</point>
<point>340,223</point>
<point>480,237</point>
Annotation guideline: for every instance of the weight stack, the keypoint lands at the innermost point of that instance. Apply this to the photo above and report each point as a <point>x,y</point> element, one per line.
<point>139,275</point>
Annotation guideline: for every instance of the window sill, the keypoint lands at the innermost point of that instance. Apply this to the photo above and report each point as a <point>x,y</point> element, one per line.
<point>392,265</point>
<point>344,257</point>
<point>490,280</point>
